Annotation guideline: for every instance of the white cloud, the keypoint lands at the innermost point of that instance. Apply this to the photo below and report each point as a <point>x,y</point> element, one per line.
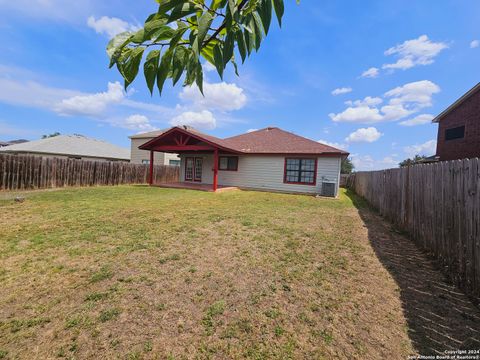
<point>340,91</point>
<point>414,52</point>
<point>110,26</point>
<point>418,93</point>
<point>361,114</point>
<point>367,163</point>
<point>336,145</point>
<point>427,148</point>
<point>219,96</point>
<point>368,101</point>
<point>370,73</point>
<point>136,122</point>
<point>201,120</point>
<point>403,101</point>
<point>369,135</point>
<point>418,120</point>
<point>91,104</point>
<point>474,44</point>
<point>251,130</point>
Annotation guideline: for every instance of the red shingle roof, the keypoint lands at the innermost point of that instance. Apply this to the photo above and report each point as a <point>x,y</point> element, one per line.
<point>271,140</point>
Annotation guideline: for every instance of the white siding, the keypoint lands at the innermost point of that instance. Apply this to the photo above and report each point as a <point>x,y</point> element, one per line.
<point>137,155</point>
<point>263,172</point>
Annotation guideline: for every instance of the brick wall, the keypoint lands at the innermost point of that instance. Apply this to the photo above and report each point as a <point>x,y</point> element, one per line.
<point>467,114</point>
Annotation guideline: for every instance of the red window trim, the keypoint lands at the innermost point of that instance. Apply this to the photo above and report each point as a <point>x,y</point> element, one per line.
<point>297,182</point>
<point>223,156</point>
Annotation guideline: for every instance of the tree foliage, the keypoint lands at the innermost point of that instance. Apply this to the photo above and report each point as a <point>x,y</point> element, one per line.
<point>347,166</point>
<point>56,133</point>
<point>174,39</point>
<point>415,160</point>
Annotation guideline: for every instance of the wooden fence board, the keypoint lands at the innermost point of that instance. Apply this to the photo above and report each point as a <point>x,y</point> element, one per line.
<point>25,172</point>
<point>438,205</point>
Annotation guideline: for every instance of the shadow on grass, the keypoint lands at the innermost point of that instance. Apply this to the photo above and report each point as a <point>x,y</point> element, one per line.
<point>440,316</point>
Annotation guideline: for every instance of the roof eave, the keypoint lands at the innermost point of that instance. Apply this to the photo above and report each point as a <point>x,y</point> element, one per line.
<point>457,103</point>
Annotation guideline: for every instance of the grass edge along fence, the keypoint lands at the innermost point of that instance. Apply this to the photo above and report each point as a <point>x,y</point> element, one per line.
<point>27,172</point>
<point>438,205</point>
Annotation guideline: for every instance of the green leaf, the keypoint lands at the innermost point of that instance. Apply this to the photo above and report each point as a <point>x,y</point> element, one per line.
<point>150,68</point>
<point>207,51</point>
<point>167,5</point>
<point>199,77</point>
<point>130,65</point>
<point>139,37</point>
<point>153,26</point>
<point>250,36</point>
<point>228,48</point>
<point>178,36</point>
<point>232,8</point>
<point>279,10</point>
<point>235,67</point>
<point>181,11</point>
<point>163,33</point>
<point>116,45</point>
<point>266,14</point>
<point>204,23</point>
<point>191,69</point>
<point>258,30</point>
<point>179,62</point>
<point>218,60</point>
<point>164,69</point>
<point>241,45</point>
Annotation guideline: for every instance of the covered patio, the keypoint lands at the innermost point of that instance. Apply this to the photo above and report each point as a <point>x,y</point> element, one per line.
<point>180,140</point>
<point>199,187</point>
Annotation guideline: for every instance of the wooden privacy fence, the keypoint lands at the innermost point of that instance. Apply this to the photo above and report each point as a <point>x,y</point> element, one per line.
<point>438,205</point>
<point>23,172</point>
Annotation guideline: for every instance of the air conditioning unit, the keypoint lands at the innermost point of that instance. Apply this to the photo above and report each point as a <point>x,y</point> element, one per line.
<point>328,189</point>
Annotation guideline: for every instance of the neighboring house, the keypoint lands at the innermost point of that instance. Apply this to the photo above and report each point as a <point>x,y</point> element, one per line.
<point>459,128</point>
<point>12,142</point>
<point>268,159</point>
<point>138,156</point>
<point>70,146</point>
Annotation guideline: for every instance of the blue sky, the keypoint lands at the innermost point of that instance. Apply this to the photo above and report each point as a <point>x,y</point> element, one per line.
<point>416,58</point>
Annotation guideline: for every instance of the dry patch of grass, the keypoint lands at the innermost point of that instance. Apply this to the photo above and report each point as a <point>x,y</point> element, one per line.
<point>136,272</point>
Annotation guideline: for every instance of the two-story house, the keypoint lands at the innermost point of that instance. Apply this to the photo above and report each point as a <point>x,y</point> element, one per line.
<point>459,128</point>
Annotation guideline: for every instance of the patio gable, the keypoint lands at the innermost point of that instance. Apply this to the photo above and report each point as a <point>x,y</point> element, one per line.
<point>178,140</point>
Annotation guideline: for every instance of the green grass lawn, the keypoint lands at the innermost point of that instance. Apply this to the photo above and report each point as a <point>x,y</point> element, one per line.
<point>137,272</point>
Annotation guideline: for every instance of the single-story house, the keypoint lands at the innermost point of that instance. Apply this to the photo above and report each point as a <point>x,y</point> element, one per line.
<point>70,146</point>
<point>268,159</point>
<point>12,142</point>
<point>138,156</point>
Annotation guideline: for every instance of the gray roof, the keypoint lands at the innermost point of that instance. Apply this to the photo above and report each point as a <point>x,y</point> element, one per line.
<point>71,145</point>
<point>149,135</point>
<point>12,142</point>
<point>154,134</point>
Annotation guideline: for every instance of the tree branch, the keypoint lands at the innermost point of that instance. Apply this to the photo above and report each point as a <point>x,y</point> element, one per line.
<point>215,34</point>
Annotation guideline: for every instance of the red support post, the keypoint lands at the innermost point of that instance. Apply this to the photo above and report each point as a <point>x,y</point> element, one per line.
<point>215,170</point>
<point>150,174</point>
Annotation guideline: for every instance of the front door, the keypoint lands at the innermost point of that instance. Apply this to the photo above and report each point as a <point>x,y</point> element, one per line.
<point>193,169</point>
